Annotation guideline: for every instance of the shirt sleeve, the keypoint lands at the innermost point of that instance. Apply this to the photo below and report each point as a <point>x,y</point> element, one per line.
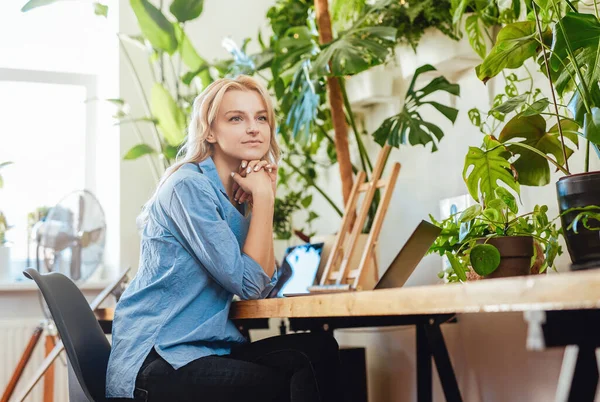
<point>208,237</point>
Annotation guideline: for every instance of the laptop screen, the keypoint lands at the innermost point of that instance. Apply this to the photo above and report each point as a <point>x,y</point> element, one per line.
<point>299,267</point>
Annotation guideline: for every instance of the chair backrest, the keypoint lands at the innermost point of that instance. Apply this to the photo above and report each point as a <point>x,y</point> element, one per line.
<point>85,343</point>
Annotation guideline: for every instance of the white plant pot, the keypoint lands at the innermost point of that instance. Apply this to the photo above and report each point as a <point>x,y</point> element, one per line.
<point>370,87</point>
<point>5,265</point>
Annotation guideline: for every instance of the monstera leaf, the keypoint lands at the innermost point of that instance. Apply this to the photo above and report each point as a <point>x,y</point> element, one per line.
<point>516,43</point>
<point>408,127</point>
<point>533,169</point>
<point>357,50</point>
<point>490,168</point>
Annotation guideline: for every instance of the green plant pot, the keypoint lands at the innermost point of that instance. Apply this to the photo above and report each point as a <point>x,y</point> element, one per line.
<point>579,190</point>
<point>515,256</point>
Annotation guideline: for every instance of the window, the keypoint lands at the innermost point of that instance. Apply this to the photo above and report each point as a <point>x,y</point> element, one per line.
<point>56,62</point>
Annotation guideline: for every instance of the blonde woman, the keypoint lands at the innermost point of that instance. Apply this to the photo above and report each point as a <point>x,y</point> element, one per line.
<point>172,338</point>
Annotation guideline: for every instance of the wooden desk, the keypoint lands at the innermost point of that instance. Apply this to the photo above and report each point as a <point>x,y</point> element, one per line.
<point>567,307</point>
<point>566,291</point>
<point>570,302</point>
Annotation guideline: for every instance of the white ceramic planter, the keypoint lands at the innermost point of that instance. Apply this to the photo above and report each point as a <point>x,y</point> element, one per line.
<point>5,266</point>
<point>370,87</point>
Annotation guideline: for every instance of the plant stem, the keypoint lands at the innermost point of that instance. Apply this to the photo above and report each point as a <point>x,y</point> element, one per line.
<point>562,138</point>
<point>361,147</point>
<point>140,88</point>
<point>596,9</point>
<point>149,158</point>
<point>587,156</point>
<point>312,183</point>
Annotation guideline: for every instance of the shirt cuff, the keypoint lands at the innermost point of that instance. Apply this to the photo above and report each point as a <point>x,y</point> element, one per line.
<point>255,281</point>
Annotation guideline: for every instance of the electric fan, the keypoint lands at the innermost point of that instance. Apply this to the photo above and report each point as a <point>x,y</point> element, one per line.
<point>71,238</point>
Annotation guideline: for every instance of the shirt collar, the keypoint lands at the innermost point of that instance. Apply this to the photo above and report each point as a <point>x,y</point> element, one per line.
<point>207,166</point>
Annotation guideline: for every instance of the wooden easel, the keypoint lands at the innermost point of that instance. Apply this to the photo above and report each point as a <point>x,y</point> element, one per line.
<point>336,275</point>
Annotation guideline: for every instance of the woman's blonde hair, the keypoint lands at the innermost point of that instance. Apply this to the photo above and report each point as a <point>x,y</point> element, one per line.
<point>204,112</point>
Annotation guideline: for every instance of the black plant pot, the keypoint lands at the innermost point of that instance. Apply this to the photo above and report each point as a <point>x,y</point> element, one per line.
<point>580,190</point>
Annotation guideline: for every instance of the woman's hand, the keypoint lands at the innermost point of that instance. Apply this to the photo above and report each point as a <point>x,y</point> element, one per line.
<point>256,183</point>
<point>247,168</point>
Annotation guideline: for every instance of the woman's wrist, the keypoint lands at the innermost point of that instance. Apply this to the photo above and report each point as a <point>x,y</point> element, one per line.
<point>263,197</point>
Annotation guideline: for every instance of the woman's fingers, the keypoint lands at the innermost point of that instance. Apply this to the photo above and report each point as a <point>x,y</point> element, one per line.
<point>237,195</point>
<point>251,165</point>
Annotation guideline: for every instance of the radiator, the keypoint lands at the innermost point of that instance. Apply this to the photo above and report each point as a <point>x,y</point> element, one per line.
<point>14,336</point>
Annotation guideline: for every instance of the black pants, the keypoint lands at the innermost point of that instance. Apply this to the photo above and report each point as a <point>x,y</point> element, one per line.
<point>295,368</point>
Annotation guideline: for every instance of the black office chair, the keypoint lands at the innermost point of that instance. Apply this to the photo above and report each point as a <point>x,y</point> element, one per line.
<point>85,343</point>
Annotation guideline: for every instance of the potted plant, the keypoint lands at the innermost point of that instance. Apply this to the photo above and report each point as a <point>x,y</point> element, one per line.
<point>564,42</point>
<point>495,241</point>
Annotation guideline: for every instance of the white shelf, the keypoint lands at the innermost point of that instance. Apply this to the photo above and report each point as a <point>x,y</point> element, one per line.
<point>30,286</point>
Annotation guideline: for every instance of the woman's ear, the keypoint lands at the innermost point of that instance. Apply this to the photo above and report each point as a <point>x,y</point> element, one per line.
<point>211,138</point>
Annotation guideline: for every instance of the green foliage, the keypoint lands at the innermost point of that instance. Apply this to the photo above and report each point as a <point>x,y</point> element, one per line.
<point>412,20</point>
<point>515,43</point>
<point>356,50</point>
<point>533,167</point>
<point>486,169</point>
<point>155,27</point>
<point>186,10</point>
<point>464,236</point>
<point>408,127</point>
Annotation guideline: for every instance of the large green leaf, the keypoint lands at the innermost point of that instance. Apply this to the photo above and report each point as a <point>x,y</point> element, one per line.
<point>591,126</point>
<point>408,127</point>
<point>475,36</point>
<point>186,10</point>
<point>511,104</point>
<point>139,151</point>
<point>191,58</point>
<point>485,259</point>
<point>155,26</point>
<point>296,45</point>
<point>533,169</point>
<point>171,120</point>
<point>581,30</point>
<point>458,268</point>
<point>516,43</point>
<point>490,168</point>
<point>357,50</point>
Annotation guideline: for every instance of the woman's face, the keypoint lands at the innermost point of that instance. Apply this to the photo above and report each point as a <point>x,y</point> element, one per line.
<point>241,129</point>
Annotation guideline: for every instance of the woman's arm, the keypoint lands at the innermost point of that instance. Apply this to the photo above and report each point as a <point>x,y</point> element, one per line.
<point>259,242</point>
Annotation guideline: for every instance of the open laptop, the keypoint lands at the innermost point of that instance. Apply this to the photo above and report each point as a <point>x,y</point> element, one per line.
<point>395,276</point>
<point>298,270</point>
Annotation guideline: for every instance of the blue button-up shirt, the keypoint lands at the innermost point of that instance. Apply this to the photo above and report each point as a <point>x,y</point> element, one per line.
<point>191,265</point>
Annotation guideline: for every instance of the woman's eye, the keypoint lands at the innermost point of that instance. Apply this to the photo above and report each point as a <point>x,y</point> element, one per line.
<point>262,118</point>
<point>236,118</point>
